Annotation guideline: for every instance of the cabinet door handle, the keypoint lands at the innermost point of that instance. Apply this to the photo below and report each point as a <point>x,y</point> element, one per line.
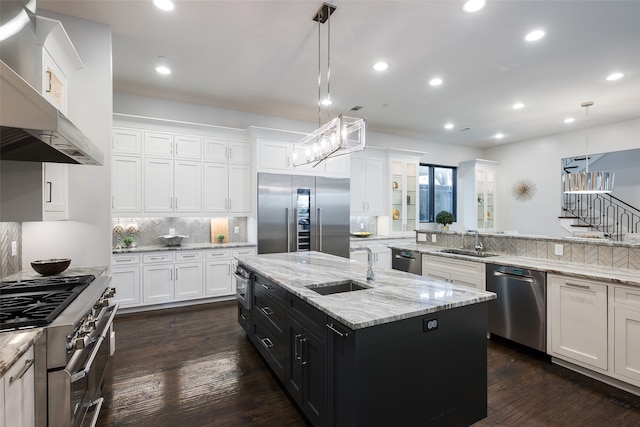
<point>296,346</point>
<point>576,285</point>
<point>230,153</point>
<point>368,206</point>
<point>176,203</point>
<point>112,201</point>
<point>302,341</point>
<point>50,191</point>
<point>48,81</point>
<point>267,343</point>
<point>267,311</point>
<point>226,153</point>
<point>265,287</point>
<point>244,316</point>
<point>176,144</point>
<point>230,203</point>
<point>27,364</point>
<point>331,327</point>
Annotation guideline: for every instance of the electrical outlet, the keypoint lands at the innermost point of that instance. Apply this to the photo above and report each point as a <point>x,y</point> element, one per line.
<point>14,248</point>
<point>236,229</point>
<point>559,249</point>
<point>433,238</point>
<point>172,232</point>
<point>362,226</point>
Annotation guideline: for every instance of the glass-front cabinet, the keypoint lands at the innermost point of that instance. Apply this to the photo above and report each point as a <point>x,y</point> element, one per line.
<point>479,194</point>
<point>404,194</point>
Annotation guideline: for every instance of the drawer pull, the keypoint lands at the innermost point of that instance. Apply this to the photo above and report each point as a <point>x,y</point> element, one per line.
<point>575,285</point>
<point>342,334</point>
<point>266,287</point>
<point>125,260</point>
<point>156,257</point>
<point>244,316</point>
<point>27,364</point>
<point>267,311</point>
<point>267,343</point>
<point>189,256</point>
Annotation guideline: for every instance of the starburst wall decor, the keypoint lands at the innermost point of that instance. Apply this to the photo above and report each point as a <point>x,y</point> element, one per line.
<point>524,190</point>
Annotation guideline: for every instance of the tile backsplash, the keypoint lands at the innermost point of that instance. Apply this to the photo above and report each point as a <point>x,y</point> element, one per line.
<point>10,232</point>
<point>198,229</point>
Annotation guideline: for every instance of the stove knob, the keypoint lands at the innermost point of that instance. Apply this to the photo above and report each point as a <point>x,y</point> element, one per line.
<point>89,324</point>
<point>111,292</point>
<point>79,343</point>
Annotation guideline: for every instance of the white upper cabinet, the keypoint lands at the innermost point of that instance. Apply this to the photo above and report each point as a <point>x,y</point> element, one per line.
<point>126,141</point>
<point>368,179</point>
<point>172,186</point>
<point>227,188</point>
<point>187,147</point>
<point>404,194</point>
<point>222,150</point>
<point>126,184</point>
<point>278,157</point>
<point>479,188</point>
<point>56,191</point>
<point>158,144</point>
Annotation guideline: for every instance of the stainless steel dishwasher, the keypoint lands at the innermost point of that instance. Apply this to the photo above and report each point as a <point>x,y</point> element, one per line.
<point>409,261</point>
<point>519,312</point>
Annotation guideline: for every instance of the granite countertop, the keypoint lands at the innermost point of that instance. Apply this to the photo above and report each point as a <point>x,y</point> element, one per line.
<point>394,295</point>
<point>380,237</point>
<point>14,344</point>
<point>183,247</point>
<point>73,271</point>
<point>586,271</point>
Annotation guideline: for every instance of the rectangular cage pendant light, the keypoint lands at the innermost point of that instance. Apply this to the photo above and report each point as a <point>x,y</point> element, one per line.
<point>340,136</point>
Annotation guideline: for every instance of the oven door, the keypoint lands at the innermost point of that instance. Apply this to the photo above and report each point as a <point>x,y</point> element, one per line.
<point>243,287</point>
<point>75,392</point>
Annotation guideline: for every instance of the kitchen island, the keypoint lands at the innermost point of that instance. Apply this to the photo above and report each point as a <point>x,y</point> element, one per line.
<point>402,350</point>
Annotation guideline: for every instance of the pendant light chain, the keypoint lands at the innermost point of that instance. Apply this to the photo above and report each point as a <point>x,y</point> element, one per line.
<point>587,105</point>
<point>329,67</point>
<point>319,80</point>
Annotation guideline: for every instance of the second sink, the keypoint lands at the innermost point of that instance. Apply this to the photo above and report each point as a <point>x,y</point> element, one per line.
<point>335,288</point>
<point>467,253</point>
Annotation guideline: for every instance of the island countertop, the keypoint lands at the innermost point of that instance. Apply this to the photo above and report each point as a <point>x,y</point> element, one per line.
<point>394,295</point>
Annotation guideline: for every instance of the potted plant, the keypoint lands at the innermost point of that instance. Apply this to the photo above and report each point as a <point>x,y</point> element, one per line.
<point>220,238</point>
<point>445,218</point>
<point>128,241</point>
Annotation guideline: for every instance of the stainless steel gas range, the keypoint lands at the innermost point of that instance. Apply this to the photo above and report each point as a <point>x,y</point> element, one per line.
<point>77,343</point>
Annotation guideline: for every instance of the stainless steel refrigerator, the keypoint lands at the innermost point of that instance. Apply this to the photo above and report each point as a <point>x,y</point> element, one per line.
<point>303,213</point>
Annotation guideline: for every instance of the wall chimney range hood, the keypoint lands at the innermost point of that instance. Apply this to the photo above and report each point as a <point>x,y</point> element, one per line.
<point>32,129</point>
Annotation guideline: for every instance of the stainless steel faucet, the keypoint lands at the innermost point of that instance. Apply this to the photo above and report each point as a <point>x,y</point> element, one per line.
<point>478,244</point>
<point>370,275</point>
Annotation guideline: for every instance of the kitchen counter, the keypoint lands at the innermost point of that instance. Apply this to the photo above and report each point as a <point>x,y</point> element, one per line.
<point>13,344</point>
<point>393,296</point>
<point>73,271</point>
<point>586,271</point>
<point>375,237</point>
<point>184,247</point>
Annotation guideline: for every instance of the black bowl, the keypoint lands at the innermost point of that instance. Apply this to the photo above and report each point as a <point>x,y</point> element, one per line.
<point>49,267</point>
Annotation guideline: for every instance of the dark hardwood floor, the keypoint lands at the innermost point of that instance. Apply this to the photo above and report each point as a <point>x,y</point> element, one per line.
<point>195,367</point>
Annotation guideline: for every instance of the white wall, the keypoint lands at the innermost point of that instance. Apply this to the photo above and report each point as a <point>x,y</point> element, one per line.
<point>540,160</point>
<point>86,237</point>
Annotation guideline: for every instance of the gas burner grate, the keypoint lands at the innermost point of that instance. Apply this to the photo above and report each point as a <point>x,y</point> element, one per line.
<point>36,303</point>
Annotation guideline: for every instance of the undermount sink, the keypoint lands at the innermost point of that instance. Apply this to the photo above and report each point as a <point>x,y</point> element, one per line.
<point>335,288</point>
<point>467,253</point>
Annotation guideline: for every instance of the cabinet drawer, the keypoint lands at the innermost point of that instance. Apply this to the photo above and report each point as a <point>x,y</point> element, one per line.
<point>269,312</point>
<point>218,254</point>
<point>188,256</point>
<point>272,347</point>
<point>157,257</point>
<point>310,316</point>
<point>470,267</point>
<point>244,318</point>
<point>244,251</point>
<point>629,296</point>
<point>264,287</point>
<point>126,260</point>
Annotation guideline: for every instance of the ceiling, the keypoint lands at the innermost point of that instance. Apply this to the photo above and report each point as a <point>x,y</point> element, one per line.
<point>262,56</point>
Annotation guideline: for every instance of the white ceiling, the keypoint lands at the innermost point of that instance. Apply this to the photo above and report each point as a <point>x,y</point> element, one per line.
<point>262,56</point>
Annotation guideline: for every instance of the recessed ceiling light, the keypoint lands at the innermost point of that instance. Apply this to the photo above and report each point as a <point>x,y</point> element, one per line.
<point>436,81</point>
<point>326,102</point>
<point>473,5</point>
<point>164,4</point>
<point>162,67</point>
<point>569,120</point>
<point>615,76</point>
<point>380,66</point>
<point>448,126</point>
<point>498,135</point>
<point>534,35</point>
<point>517,106</point>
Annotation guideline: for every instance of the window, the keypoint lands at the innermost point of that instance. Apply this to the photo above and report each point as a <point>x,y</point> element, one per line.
<point>437,191</point>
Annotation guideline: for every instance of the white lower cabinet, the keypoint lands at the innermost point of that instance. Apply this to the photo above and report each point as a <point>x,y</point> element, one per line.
<point>125,278</point>
<point>460,272</point>
<point>167,276</point>
<point>219,268</point>
<point>577,321</point>
<point>626,326</point>
<point>18,387</point>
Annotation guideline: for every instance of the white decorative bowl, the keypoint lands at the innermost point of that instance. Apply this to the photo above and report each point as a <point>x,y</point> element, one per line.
<point>169,240</point>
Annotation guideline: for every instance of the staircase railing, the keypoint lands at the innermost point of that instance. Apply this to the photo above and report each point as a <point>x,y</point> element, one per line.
<point>604,213</point>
